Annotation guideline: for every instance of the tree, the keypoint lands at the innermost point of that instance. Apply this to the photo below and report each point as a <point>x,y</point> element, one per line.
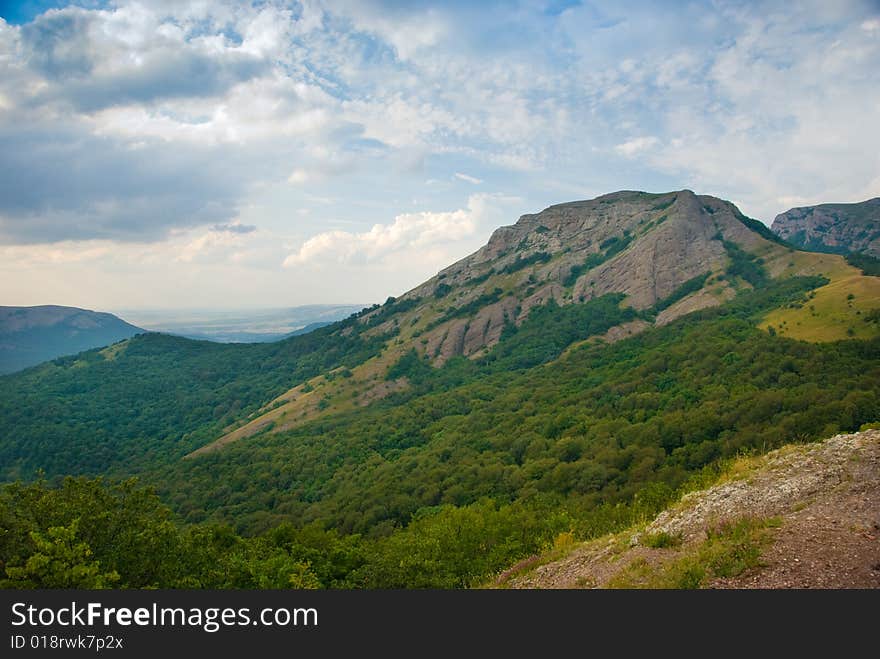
<point>61,560</point>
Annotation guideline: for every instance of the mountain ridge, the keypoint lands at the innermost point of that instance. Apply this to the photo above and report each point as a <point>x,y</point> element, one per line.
<point>667,254</point>
<point>31,335</point>
<point>684,229</point>
<point>833,228</point>
<point>646,246</point>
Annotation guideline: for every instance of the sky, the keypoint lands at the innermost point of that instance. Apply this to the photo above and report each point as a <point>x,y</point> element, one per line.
<point>233,155</point>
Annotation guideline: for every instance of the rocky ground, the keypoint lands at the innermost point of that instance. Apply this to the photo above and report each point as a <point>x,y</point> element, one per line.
<point>824,496</point>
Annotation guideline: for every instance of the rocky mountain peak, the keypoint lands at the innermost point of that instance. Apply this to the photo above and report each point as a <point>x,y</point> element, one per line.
<point>644,245</point>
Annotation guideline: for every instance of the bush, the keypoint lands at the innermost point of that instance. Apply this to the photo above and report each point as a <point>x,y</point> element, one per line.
<point>661,540</point>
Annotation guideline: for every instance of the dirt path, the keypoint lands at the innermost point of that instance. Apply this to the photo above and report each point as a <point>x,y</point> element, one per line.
<point>834,542</point>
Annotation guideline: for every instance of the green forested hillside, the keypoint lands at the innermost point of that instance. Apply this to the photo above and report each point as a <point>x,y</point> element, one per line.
<point>595,426</point>
<point>150,399</point>
<point>472,469</point>
<point>91,534</point>
<point>444,435</point>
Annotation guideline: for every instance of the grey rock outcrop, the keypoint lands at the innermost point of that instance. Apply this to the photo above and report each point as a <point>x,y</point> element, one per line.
<point>640,244</point>
<point>836,228</point>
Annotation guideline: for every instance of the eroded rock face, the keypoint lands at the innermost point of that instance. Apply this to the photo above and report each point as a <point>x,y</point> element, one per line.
<point>552,291</point>
<point>835,228</point>
<point>451,341</point>
<point>643,245</point>
<point>485,328</point>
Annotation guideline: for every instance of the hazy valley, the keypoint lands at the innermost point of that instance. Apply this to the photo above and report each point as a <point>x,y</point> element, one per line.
<point>242,325</point>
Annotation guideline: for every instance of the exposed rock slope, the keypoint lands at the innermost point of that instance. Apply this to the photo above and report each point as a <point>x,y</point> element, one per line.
<point>836,228</point>
<point>640,244</point>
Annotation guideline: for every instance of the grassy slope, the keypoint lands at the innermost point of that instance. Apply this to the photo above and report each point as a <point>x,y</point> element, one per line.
<point>324,397</point>
<point>830,315</point>
<point>339,391</point>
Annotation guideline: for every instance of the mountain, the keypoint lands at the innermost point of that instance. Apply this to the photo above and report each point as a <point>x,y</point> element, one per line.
<point>574,376</point>
<point>833,228</point>
<point>668,254</point>
<point>30,335</point>
<point>598,270</point>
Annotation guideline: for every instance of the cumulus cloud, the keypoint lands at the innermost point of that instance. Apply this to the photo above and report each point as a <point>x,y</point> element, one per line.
<point>141,122</point>
<point>61,184</point>
<point>98,59</point>
<point>772,125</point>
<point>408,231</point>
<point>131,122</point>
<point>406,28</point>
<point>320,164</point>
<point>213,245</point>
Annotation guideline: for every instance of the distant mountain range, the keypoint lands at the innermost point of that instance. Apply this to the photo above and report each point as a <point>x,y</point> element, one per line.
<point>241,326</point>
<point>30,335</point>
<point>833,228</point>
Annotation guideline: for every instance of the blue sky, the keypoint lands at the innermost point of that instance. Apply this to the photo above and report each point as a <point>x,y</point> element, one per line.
<point>211,154</point>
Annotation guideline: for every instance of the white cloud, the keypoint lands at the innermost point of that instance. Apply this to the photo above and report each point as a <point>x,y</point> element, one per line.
<point>402,121</point>
<point>299,176</point>
<point>136,127</point>
<point>129,122</point>
<point>322,163</point>
<point>467,178</point>
<point>772,124</point>
<point>636,145</point>
<point>271,107</point>
<point>207,245</point>
<point>407,32</point>
<point>409,231</point>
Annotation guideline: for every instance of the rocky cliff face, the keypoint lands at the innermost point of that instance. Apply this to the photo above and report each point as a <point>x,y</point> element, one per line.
<point>836,228</point>
<point>640,244</point>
